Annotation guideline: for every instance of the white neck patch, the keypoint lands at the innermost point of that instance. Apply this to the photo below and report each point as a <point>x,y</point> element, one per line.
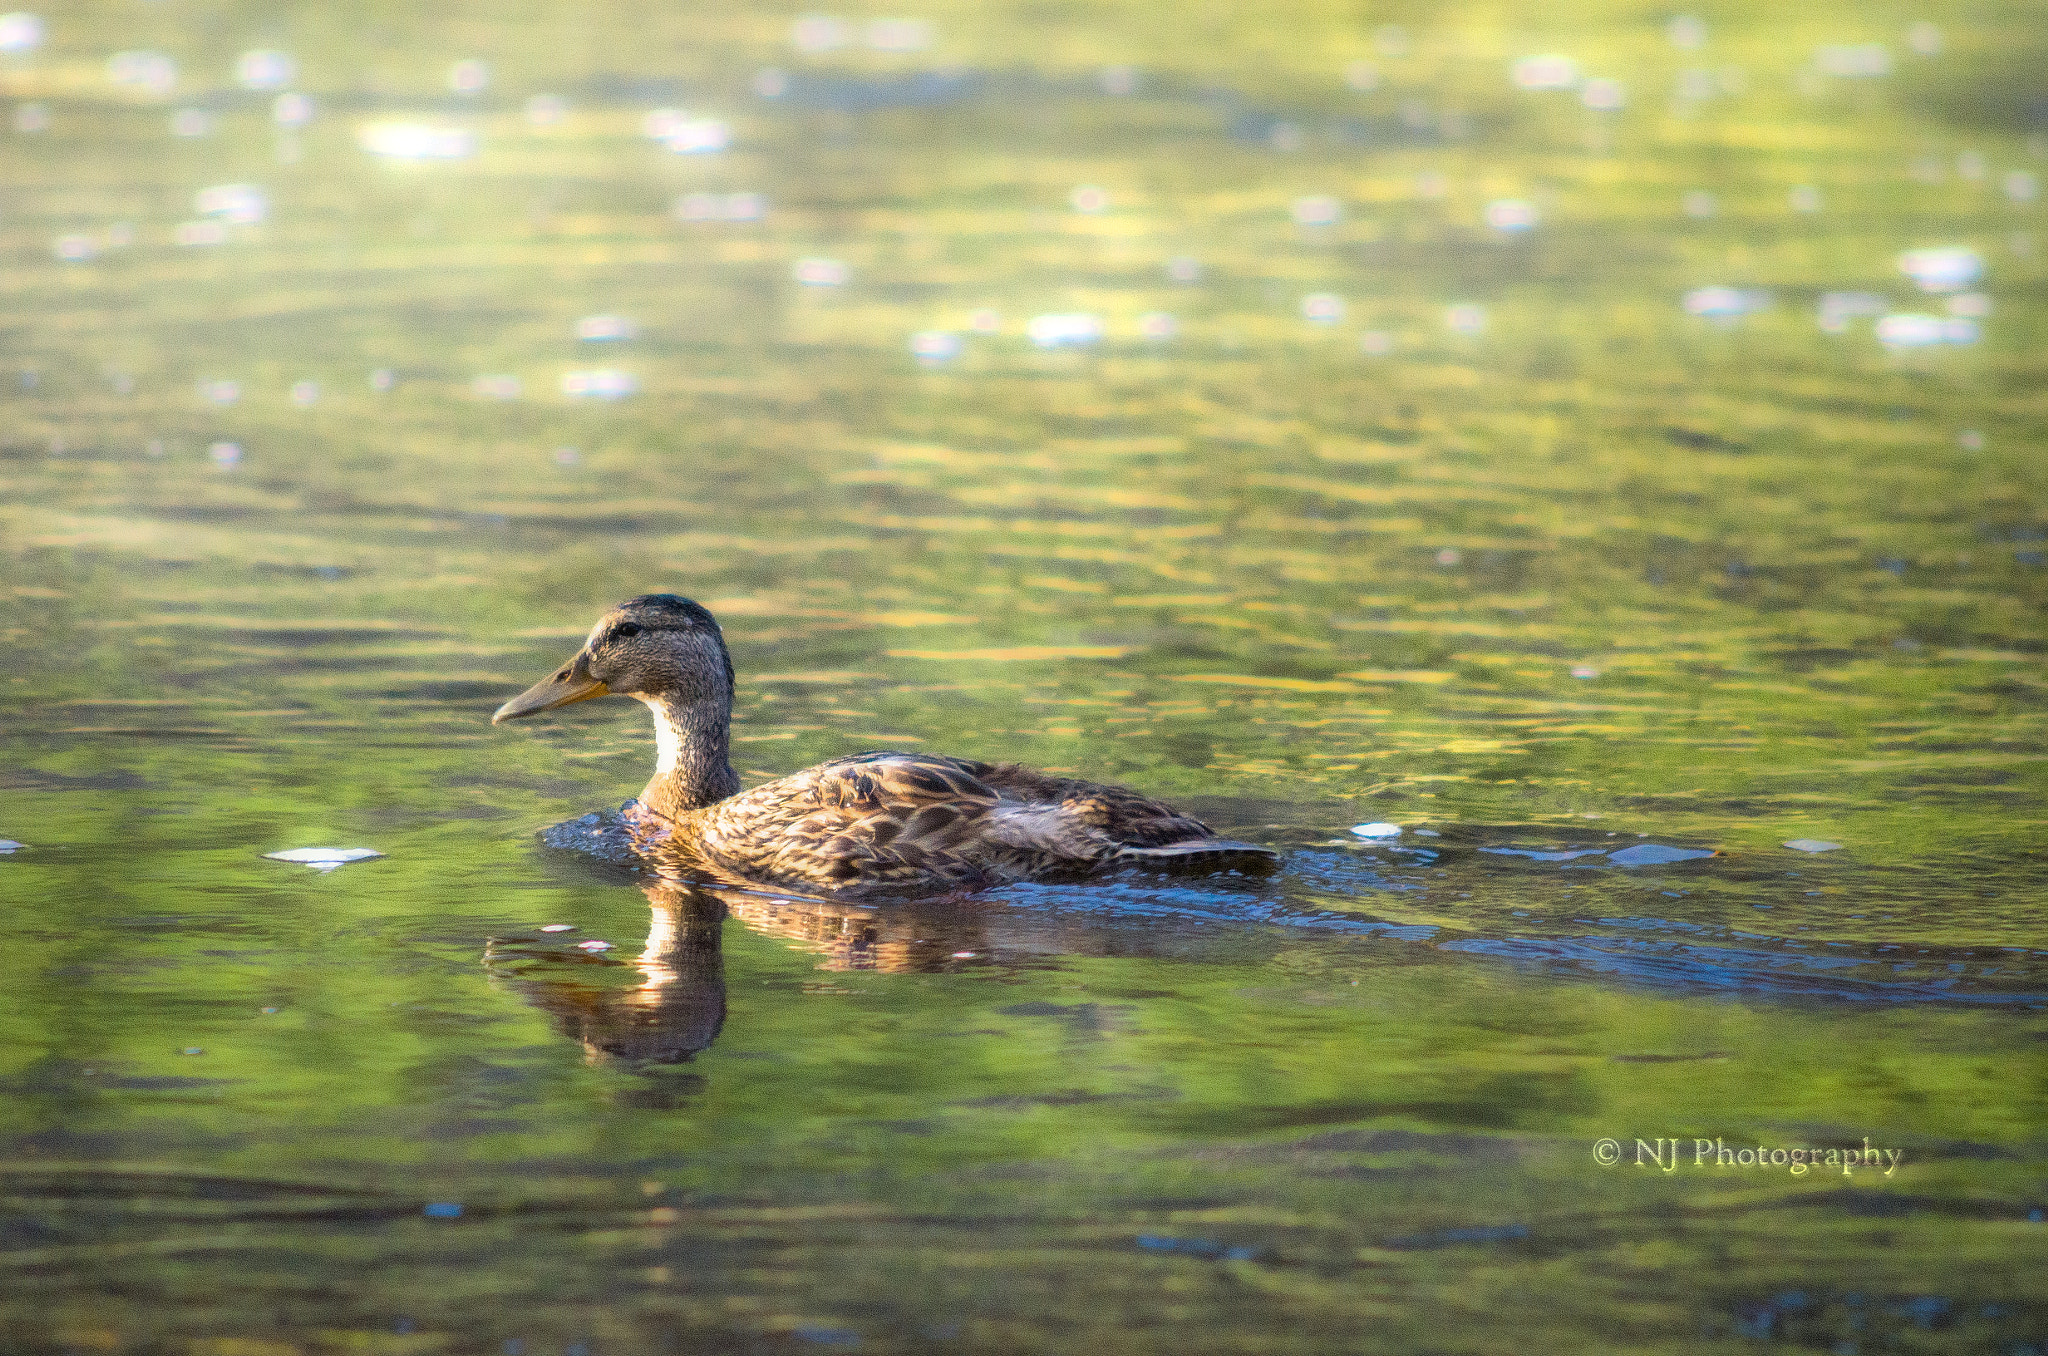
<point>668,740</point>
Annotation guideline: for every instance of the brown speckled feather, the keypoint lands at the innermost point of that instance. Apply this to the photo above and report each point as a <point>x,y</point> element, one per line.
<point>892,820</point>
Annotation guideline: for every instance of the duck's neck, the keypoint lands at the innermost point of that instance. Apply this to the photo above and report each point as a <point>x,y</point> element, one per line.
<point>694,767</point>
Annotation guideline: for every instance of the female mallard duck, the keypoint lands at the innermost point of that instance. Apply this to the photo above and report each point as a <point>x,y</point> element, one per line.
<point>871,821</point>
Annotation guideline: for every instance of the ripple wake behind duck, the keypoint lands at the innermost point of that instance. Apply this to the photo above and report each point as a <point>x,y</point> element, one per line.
<point>870,822</point>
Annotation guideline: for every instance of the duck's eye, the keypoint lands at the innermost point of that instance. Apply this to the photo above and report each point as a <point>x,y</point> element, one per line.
<point>624,629</point>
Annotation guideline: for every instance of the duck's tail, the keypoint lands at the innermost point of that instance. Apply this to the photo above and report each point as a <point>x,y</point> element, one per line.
<point>1202,854</point>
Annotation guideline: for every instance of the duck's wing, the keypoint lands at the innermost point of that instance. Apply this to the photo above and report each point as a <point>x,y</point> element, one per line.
<point>1120,815</point>
<point>1098,821</point>
<point>872,819</point>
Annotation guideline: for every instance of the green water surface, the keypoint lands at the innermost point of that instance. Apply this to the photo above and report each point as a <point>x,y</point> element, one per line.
<point>1597,577</point>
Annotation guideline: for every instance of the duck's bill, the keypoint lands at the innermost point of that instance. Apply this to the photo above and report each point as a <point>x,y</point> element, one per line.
<point>572,684</point>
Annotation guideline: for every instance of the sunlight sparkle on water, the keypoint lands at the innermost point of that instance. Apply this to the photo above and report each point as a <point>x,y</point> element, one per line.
<point>76,248</point>
<point>1184,268</point>
<point>31,117</point>
<point>323,858</point>
<point>699,136</point>
<point>1603,95</point>
<point>20,32</point>
<point>1089,199</point>
<point>1687,32</point>
<point>264,68</point>
<point>225,456</point>
<point>305,393</point>
<point>146,72</point>
<point>1465,318</point>
<point>1157,325</point>
<point>815,271</point>
<point>1322,308</point>
<point>933,347</point>
<point>1064,329</point>
<point>291,110</point>
<point>684,134</point>
<point>469,76</point>
<point>603,383</point>
<point>546,110</point>
<point>1944,269</point>
<point>1723,303</point>
<point>1804,198</point>
<point>1913,329</point>
<point>1511,216</point>
<point>1362,76</point>
<point>815,34</point>
<point>605,328</point>
<point>190,123</point>
<point>1317,209</point>
<point>1545,72</point>
<point>497,386</point>
<point>220,391</point>
<point>416,141</point>
<point>236,204</point>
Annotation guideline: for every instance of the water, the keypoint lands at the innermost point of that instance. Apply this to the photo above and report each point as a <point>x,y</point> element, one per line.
<point>1602,605</point>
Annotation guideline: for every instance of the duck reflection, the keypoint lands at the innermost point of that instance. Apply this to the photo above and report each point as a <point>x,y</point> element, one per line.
<point>668,1003</point>
<point>659,1008</point>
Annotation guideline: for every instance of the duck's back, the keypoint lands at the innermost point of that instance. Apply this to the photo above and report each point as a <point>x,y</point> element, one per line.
<point>909,820</point>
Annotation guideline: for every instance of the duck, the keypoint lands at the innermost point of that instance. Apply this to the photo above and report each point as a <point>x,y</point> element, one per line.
<point>876,822</point>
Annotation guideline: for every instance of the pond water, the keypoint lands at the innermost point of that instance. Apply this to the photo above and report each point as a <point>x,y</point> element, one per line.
<point>994,387</point>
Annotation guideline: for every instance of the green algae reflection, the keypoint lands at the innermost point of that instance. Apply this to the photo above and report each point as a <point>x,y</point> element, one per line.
<point>1564,571</point>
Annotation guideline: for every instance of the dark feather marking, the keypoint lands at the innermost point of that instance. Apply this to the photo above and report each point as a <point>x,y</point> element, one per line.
<point>930,781</point>
<point>930,821</point>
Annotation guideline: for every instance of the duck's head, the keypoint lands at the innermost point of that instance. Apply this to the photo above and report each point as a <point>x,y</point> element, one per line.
<point>659,648</point>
